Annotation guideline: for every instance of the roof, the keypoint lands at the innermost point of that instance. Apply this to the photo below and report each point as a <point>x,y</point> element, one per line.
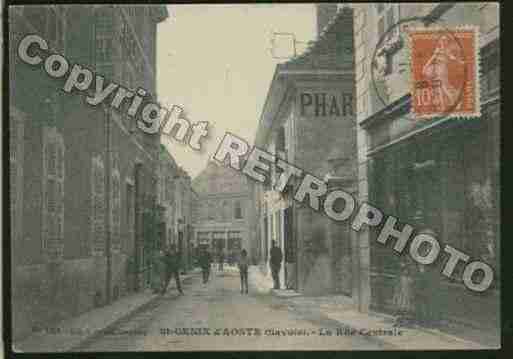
<point>331,50</point>
<point>219,179</point>
<point>330,55</point>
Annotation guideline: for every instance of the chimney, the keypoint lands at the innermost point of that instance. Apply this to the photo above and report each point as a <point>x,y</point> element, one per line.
<point>324,13</point>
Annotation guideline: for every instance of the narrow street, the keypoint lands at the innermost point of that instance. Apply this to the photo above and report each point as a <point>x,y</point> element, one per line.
<point>220,305</point>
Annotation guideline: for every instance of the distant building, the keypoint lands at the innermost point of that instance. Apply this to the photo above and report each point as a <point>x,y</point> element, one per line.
<point>83,179</point>
<point>223,210</point>
<point>168,175</point>
<point>175,198</point>
<point>183,237</point>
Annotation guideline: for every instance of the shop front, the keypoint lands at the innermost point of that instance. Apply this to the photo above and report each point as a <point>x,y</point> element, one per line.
<point>441,174</point>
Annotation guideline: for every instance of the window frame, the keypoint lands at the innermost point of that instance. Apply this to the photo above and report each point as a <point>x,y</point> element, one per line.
<point>97,209</point>
<point>237,209</point>
<point>383,16</point>
<point>53,238</point>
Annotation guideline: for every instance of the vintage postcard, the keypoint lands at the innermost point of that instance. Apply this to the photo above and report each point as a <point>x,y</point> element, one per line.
<point>253,177</point>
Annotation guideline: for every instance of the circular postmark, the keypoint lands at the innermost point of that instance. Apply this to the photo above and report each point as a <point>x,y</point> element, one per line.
<point>440,62</point>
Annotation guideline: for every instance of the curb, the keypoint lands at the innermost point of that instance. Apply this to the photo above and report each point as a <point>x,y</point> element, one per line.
<point>98,333</point>
<point>325,320</point>
<point>109,327</point>
<point>436,332</point>
<point>321,318</point>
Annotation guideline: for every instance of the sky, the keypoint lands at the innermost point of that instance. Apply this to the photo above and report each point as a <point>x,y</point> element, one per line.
<point>215,60</point>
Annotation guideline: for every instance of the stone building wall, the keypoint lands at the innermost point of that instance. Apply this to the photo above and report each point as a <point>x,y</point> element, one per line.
<point>54,279</point>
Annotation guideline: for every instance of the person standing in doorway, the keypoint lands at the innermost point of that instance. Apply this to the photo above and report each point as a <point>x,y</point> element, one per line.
<point>403,296</point>
<point>275,263</point>
<point>172,269</point>
<point>427,282</point>
<point>243,269</point>
<point>204,262</point>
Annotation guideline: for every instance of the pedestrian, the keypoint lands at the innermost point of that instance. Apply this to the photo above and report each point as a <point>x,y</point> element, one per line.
<point>275,263</point>
<point>221,260</point>
<point>427,282</point>
<point>173,269</point>
<point>231,258</point>
<point>243,269</point>
<point>427,306</point>
<point>404,295</point>
<point>159,268</point>
<point>204,261</point>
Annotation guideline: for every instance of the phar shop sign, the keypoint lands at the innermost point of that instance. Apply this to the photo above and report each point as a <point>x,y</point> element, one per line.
<point>325,103</point>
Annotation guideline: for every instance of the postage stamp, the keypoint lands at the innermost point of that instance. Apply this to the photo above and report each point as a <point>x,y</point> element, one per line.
<point>445,72</point>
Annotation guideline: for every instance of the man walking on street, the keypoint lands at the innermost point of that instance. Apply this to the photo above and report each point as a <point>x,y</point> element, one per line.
<point>204,262</point>
<point>172,269</point>
<point>243,269</point>
<point>221,260</point>
<point>275,263</point>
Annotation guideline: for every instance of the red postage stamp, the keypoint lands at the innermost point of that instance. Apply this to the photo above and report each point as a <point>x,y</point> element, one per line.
<point>445,72</point>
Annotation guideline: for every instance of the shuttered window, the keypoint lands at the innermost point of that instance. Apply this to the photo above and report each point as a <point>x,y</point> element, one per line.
<point>98,206</point>
<point>53,194</point>
<point>104,32</point>
<point>115,205</point>
<point>15,171</point>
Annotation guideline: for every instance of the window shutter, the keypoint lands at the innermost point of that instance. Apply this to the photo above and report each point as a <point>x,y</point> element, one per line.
<point>116,211</point>
<point>97,207</point>
<point>53,192</point>
<point>13,172</point>
<point>60,196</point>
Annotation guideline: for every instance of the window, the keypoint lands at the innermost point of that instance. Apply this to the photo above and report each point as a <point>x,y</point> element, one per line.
<point>225,211</point>
<point>280,140</point>
<point>15,171</point>
<point>130,215</point>
<point>169,188</point>
<point>104,31</point>
<point>490,64</point>
<point>271,227</point>
<point>98,206</point>
<point>387,17</point>
<point>52,22</point>
<point>234,241</point>
<point>203,211</point>
<point>115,205</point>
<point>238,209</point>
<point>53,193</point>
<point>218,241</point>
<point>211,211</point>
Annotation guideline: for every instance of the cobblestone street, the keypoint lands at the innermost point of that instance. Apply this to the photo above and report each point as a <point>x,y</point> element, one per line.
<point>219,305</point>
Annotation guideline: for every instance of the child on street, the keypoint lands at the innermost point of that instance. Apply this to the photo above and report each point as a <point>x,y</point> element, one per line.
<point>243,269</point>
